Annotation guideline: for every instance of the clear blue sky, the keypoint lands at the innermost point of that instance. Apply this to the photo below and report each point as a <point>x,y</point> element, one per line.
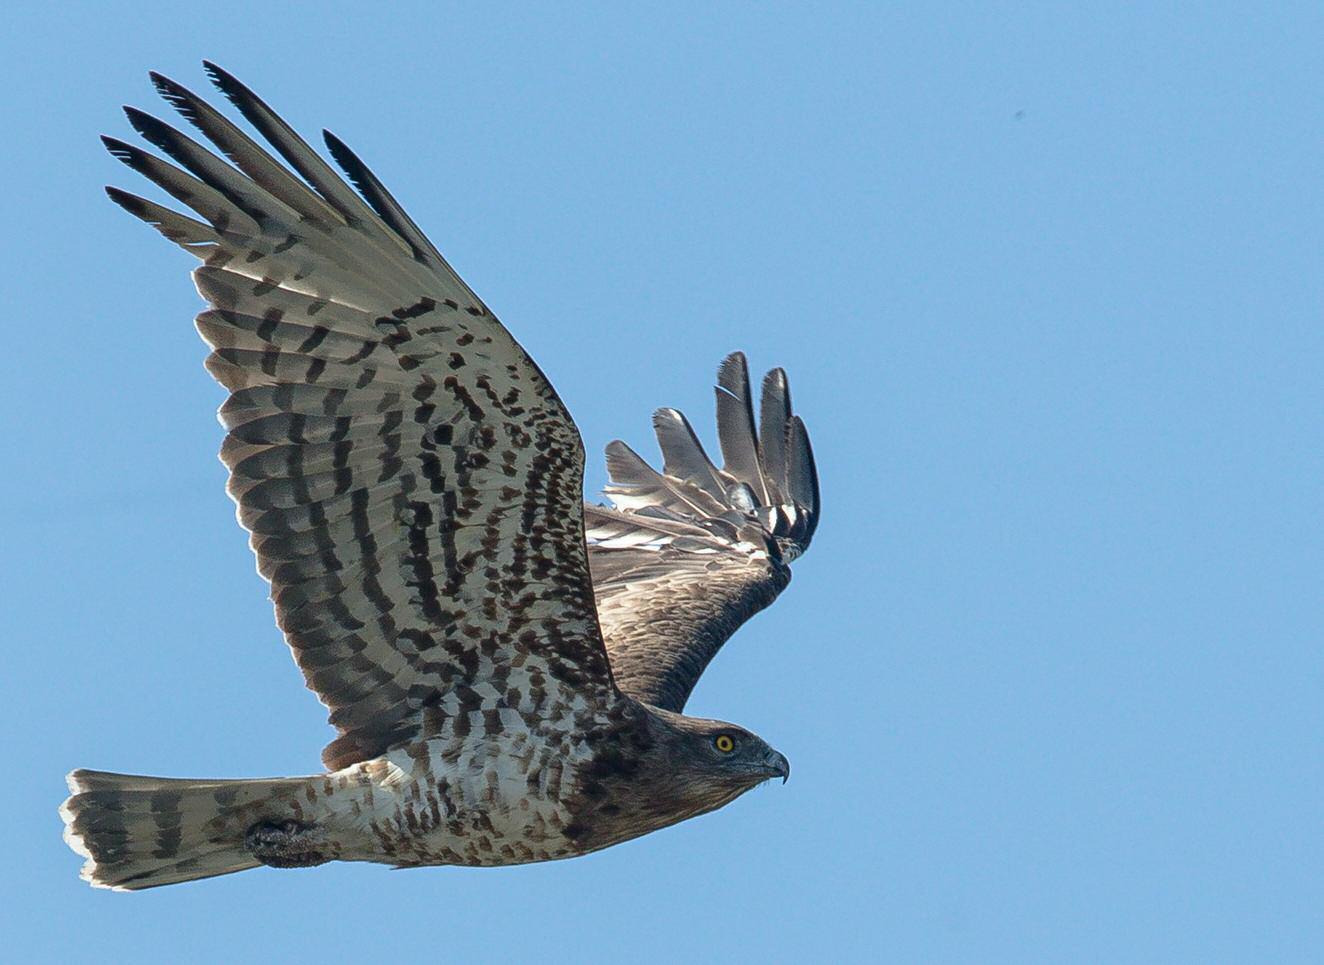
<point>1047,281</point>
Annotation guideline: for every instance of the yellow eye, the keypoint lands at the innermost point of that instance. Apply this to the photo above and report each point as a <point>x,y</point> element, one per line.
<point>724,743</point>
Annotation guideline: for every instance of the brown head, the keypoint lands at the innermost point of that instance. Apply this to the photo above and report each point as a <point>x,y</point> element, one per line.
<point>663,769</point>
<point>711,762</point>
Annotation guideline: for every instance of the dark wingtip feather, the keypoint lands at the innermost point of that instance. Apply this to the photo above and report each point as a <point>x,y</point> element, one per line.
<point>241,96</point>
<point>166,87</point>
<point>224,81</point>
<point>733,376</point>
<point>802,476</point>
<point>177,95</point>
<point>731,365</point>
<point>776,381</point>
<point>347,159</point>
<point>682,452</point>
<point>774,413</point>
<point>358,173</point>
<point>623,463</point>
<point>120,150</point>
<point>736,434</point>
<point>192,235</point>
<point>153,129</point>
<point>235,92</point>
<point>131,155</point>
<point>129,202</point>
<point>388,209</point>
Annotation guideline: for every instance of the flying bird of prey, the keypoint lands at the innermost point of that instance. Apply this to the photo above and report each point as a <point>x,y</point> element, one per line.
<point>506,666</point>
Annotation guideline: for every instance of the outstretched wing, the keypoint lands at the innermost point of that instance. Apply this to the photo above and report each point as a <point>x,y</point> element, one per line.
<point>411,481</point>
<point>691,553</point>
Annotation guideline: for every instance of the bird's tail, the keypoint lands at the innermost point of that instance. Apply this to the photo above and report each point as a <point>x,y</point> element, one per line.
<point>141,832</point>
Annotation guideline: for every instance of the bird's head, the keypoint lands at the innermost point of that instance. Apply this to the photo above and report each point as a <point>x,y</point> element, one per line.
<point>711,762</point>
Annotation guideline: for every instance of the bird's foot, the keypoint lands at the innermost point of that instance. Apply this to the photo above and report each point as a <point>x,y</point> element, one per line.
<point>287,844</point>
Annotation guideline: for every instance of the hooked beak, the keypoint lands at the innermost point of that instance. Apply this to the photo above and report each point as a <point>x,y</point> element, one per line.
<point>779,766</point>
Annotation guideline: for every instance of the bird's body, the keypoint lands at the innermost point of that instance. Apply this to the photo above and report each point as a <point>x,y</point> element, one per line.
<point>506,666</point>
<point>500,798</point>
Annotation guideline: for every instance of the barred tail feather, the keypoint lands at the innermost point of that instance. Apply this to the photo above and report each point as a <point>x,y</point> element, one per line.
<point>141,832</point>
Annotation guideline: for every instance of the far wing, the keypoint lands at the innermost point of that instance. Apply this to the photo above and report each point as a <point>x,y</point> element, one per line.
<point>691,553</point>
<point>412,483</point>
